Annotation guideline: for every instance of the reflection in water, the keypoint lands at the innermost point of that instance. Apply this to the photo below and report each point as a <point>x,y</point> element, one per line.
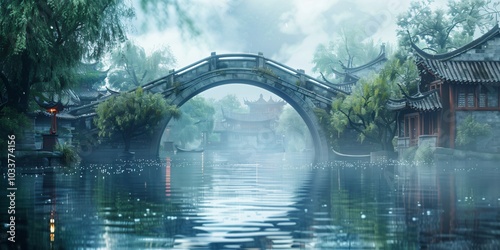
<point>204,201</point>
<point>167,178</point>
<point>52,221</point>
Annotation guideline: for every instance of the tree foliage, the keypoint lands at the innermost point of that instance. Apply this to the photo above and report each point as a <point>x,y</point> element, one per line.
<point>365,109</point>
<point>10,122</point>
<point>197,118</point>
<point>164,11</point>
<point>227,103</point>
<point>132,114</point>
<point>443,30</point>
<point>230,102</point>
<point>347,49</point>
<point>470,131</point>
<point>295,130</point>
<point>131,67</point>
<point>406,72</point>
<point>41,42</point>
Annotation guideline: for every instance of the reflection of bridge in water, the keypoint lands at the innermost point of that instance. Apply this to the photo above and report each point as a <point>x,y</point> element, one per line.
<point>303,92</point>
<point>250,205</point>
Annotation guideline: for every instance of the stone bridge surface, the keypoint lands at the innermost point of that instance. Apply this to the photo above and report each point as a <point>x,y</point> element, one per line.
<point>303,92</point>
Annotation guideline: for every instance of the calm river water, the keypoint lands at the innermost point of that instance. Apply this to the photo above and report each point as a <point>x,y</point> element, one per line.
<point>215,201</point>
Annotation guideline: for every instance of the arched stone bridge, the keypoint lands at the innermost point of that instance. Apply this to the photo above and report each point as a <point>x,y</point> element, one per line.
<point>303,92</point>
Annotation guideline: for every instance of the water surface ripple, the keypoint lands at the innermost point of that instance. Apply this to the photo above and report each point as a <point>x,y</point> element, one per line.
<point>208,201</point>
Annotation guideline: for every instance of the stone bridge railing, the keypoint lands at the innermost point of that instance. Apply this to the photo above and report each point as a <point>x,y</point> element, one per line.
<point>293,79</point>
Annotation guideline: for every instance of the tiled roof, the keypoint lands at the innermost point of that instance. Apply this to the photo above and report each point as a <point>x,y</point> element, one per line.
<point>261,101</point>
<point>89,94</point>
<point>477,62</point>
<point>428,101</point>
<point>487,72</point>
<point>381,58</point>
<point>63,115</point>
<point>344,86</point>
<point>352,75</point>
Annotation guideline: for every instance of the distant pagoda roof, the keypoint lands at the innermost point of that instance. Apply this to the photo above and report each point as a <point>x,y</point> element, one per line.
<point>474,63</point>
<point>424,102</point>
<point>261,101</point>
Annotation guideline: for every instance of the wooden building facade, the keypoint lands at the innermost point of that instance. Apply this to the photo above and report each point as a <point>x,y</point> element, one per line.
<point>454,85</point>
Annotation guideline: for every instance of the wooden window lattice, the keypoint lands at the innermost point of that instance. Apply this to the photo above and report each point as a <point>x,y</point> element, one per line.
<point>461,98</point>
<point>470,99</point>
<point>482,99</point>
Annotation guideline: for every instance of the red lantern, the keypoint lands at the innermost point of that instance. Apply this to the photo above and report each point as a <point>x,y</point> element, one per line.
<point>53,126</point>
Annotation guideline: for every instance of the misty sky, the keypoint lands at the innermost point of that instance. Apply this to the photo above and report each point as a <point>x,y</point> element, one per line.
<point>287,31</point>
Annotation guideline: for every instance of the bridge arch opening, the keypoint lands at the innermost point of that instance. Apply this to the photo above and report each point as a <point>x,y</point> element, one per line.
<point>244,118</point>
<point>319,148</point>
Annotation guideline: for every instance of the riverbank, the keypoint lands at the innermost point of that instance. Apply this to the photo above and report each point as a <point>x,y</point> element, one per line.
<point>456,154</point>
<point>44,158</point>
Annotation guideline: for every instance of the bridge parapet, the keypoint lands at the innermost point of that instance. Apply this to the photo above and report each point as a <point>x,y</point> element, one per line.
<point>270,71</point>
<point>258,63</point>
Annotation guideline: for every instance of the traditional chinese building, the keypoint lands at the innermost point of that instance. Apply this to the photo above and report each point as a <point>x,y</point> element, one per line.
<point>255,129</point>
<point>84,92</point>
<point>454,85</point>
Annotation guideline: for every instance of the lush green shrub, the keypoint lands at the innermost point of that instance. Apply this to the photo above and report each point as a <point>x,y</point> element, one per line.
<point>69,156</point>
<point>132,114</point>
<point>469,132</point>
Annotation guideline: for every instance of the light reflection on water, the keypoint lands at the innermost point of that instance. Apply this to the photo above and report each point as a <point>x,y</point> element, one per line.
<point>205,201</point>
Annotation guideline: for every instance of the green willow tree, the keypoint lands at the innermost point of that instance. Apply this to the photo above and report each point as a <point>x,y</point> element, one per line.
<point>132,114</point>
<point>131,67</point>
<point>443,30</point>
<point>41,42</point>
<point>364,110</point>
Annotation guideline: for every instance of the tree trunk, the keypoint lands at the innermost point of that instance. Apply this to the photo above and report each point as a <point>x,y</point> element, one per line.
<point>388,146</point>
<point>18,89</point>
